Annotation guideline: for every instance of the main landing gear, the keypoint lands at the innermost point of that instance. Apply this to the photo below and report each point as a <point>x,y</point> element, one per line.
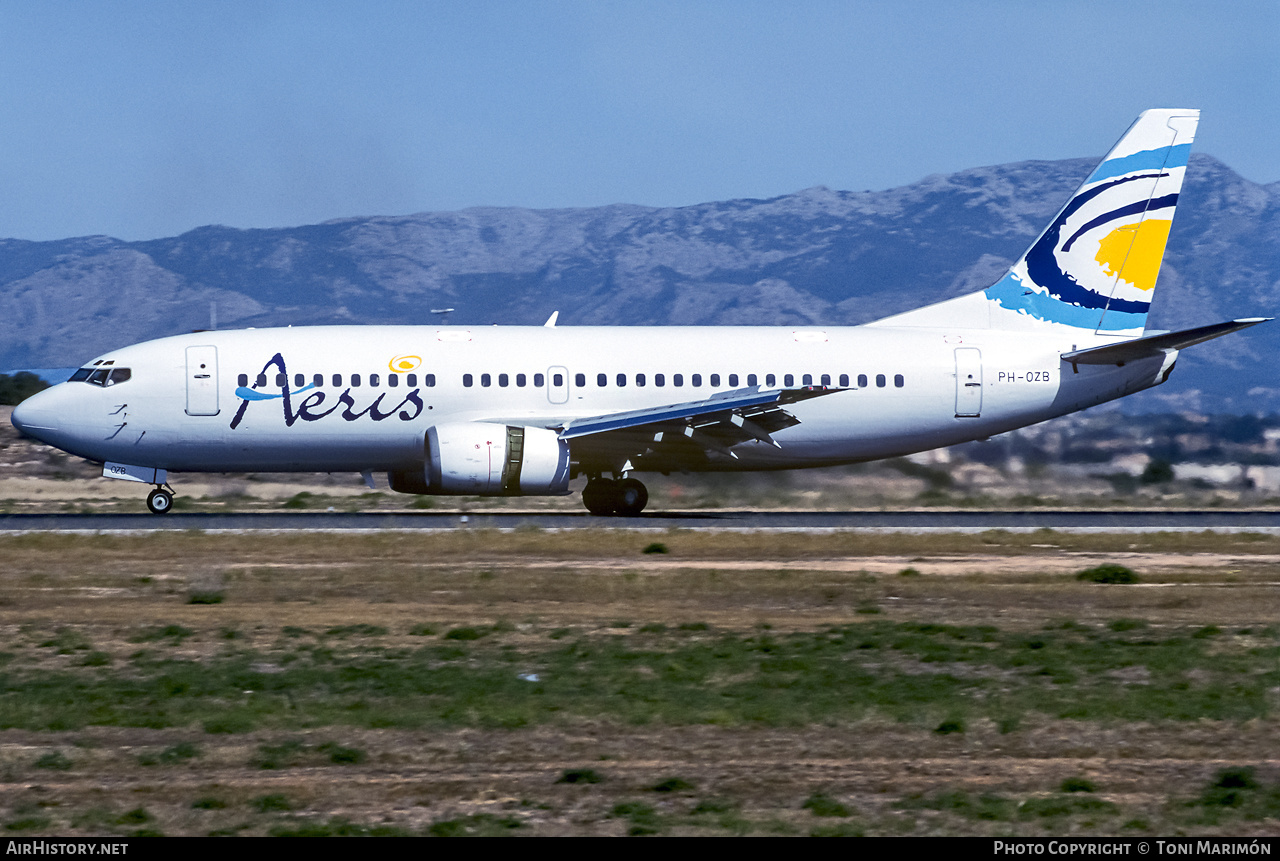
<point>160,500</point>
<point>606,496</point>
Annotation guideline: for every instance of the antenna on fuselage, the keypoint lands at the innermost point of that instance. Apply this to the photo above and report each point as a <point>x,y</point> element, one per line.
<point>444,314</point>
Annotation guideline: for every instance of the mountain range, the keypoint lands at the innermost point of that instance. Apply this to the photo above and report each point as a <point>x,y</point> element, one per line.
<point>815,257</point>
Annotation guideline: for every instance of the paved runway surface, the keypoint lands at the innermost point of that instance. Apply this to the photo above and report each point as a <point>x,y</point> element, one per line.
<point>907,521</point>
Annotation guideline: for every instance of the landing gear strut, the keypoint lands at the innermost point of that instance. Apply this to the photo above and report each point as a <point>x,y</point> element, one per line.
<point>604,497</point>
<point>160,501</point>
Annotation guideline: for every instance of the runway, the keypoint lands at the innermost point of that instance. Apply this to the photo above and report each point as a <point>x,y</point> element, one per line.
<point>798,521</point>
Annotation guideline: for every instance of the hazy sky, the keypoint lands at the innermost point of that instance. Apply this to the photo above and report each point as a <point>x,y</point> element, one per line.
<point>140,119</point>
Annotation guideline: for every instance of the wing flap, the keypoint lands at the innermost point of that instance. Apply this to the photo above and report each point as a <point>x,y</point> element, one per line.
<point>750,404</point>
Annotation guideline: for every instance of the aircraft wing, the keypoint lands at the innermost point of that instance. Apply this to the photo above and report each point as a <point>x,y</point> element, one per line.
<point>1156,344</point>
<point>675,434</point>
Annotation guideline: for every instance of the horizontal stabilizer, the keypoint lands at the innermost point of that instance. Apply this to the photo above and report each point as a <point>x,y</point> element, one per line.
<point>1155,345</point>
<point>726,402</point>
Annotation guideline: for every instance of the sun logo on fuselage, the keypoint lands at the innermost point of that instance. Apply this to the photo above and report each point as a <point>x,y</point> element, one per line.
<point>403,364</point>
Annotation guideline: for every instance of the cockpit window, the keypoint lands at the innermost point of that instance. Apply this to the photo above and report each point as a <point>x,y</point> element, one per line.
<point>101,376</point>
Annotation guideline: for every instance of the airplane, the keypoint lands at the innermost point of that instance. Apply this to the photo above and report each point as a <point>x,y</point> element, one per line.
<point>522,410</point>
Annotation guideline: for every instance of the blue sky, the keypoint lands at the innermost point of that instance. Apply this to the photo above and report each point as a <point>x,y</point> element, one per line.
<point>141,119</point>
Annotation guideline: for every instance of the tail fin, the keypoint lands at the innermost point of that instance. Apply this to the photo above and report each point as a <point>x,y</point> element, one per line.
<point>1094,268</point>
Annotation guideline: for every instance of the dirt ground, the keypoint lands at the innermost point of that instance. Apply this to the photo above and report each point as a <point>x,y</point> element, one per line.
<point>595,775</point>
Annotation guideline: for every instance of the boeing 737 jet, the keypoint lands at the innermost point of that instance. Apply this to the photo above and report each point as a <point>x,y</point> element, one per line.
<point>512,411</point>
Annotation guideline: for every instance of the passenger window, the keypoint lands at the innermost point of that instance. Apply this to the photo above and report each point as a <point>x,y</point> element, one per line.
<point>486,380</point>
<point>695,380</point>
<point>241,381</point>
<point>659,380</point>
<point>898,381</point>
<point>539,379</point>
<point>412,380</point>
<point>393,380</point>
<point>770,380</point>
<point>622,380</point>
<point>337,381</point>
<point>789,380</point>
<point>640,380</point>
<point>299,381</point>
<point>602,380</point>
<point>715,380</point>
<point>579,380</point>
<point>429,379</point>
<point>862,381</point>
<point>844,380</point>
<point>807,380</point>
<point>733,380</point>
<point>317,380</point>
<point>751,380</point>
<point>677,380</point>
<point>504,380</point>
<point>557,379</point>
<point>521,380</point>
<point>466,380</point>
<point>373,380</point>
<point>355,381</point>
<point>826,379</point>
<point>880,381</point>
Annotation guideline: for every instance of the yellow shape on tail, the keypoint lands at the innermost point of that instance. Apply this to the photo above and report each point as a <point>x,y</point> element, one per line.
<point>1134,251</point>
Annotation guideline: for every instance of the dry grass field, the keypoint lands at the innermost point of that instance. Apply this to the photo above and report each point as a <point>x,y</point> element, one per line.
<point>531,683</point>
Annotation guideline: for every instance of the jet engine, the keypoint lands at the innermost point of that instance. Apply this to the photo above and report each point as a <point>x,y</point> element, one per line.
<point>479,459</point>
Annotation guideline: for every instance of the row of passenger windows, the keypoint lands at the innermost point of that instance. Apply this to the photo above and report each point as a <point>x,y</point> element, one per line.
<point>602,380</point>
<point>354,381</point>
<point>580,380</point>
<point>695,380</point>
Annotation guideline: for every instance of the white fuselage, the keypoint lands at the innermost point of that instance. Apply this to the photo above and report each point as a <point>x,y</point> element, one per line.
<point>906,390</point>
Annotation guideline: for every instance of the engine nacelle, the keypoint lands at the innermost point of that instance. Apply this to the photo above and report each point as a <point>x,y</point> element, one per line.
<point>480,459</point>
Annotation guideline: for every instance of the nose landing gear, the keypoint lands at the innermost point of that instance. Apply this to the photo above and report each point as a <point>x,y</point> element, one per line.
<point>160,500</point>
<point>604,497</point>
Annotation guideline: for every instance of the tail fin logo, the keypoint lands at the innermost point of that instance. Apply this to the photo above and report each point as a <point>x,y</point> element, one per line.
<point>1095,266</point>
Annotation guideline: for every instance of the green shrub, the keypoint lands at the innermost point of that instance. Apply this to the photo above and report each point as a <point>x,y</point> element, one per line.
<point>273,803</point>
<point>656,547</point>
<point>479,825</point>
<point>1109,573</point>
<point>343,755</point>
<point>579,775</point>
<point>54,761</point>
<point>16,388</point>
<point>824,805</point>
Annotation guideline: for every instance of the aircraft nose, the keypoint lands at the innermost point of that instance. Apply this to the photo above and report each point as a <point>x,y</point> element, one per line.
<point>34,415</point>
